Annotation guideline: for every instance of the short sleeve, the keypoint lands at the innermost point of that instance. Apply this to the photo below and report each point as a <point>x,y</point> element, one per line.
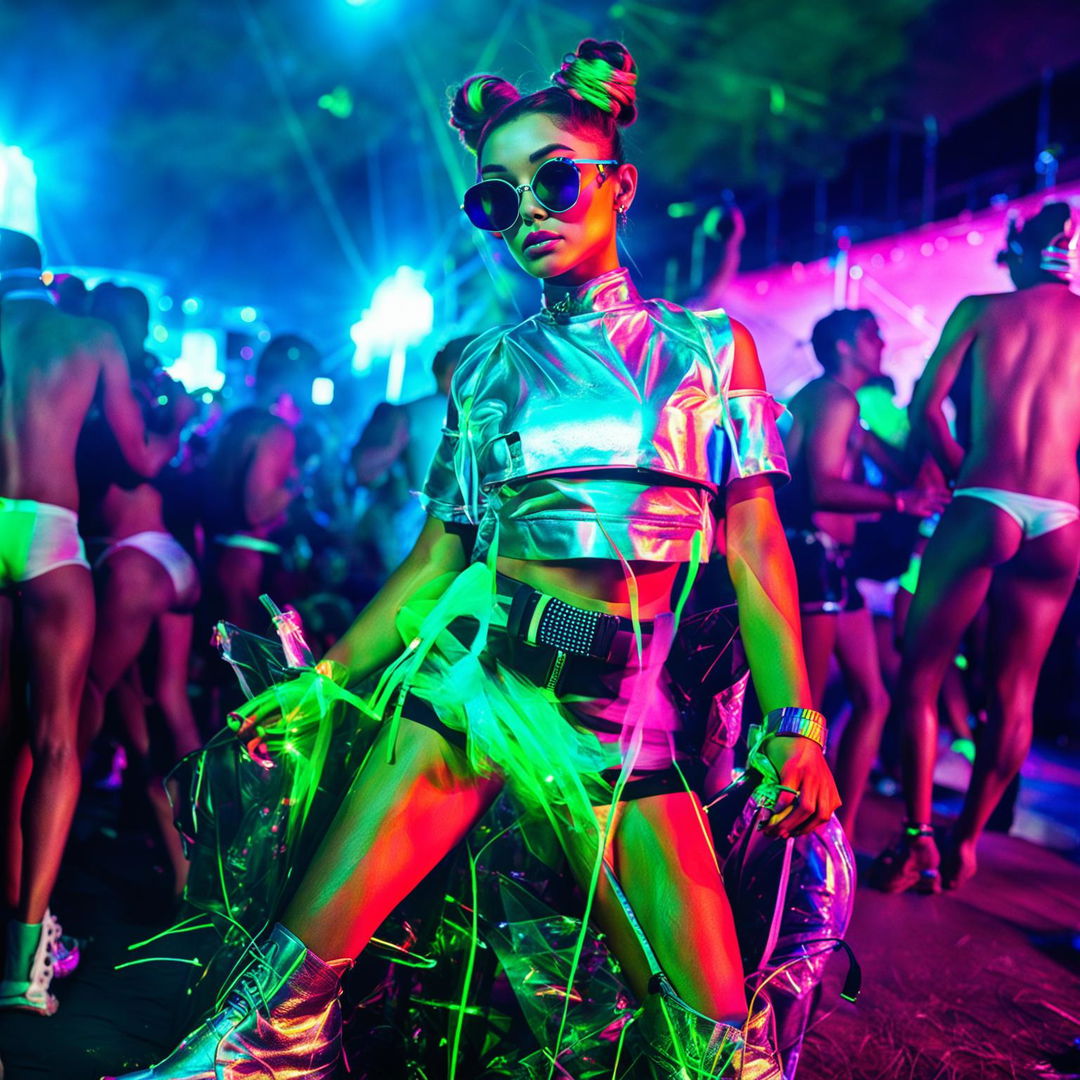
<point>448,491</point>
<point>754,444</point>
<point>441,494</point>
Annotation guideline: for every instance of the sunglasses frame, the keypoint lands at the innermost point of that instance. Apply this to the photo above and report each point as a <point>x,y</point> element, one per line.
<point>520,189</point>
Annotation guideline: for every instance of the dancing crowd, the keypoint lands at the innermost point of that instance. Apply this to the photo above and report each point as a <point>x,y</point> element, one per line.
<point>517,549</point>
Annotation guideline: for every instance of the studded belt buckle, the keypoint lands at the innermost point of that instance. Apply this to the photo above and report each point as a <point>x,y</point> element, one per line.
<point>544,620</point>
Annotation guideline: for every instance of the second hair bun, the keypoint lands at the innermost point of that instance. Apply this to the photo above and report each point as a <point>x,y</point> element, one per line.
<point>602,73</point>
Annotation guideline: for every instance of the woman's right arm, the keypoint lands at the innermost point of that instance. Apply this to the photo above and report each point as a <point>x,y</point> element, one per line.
<point>373,641</point>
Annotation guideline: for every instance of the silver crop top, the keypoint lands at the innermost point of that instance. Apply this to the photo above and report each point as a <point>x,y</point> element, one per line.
<point>603,428</point>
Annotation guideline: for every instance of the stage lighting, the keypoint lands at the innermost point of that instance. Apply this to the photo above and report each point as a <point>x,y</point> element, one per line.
<point>248,314</point>
<point>18,192</point>
<point>198,363</point>
<point>402,313</point>
<point>402,310</point>
<point>322,391</point>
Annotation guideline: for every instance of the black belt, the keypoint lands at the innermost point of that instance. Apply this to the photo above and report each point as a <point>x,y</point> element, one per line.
<point>539,619</point>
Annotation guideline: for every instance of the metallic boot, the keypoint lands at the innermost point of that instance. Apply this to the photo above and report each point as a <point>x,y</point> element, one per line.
<point>683,1044</point>
<point>281,1019</point>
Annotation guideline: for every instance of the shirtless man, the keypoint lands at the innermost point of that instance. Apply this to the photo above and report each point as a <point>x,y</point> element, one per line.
<point>54,366</point>
<point>1011,536</point>
<point>820,510</point>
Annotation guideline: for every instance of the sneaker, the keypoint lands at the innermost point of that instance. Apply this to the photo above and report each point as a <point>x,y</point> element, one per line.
<point>32,994</point>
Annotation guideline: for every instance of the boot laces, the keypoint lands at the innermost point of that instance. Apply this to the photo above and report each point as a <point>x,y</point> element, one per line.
<point>248,992</point>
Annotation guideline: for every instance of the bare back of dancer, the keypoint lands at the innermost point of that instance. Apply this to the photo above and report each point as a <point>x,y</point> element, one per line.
<point>1024,348</point>
<point>53,365</point>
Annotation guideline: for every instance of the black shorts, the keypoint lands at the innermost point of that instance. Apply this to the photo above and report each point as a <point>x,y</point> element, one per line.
<point>578,677</point>
<point>824,573</point>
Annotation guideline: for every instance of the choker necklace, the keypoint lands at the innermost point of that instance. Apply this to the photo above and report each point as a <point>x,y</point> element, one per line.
<point>568,305</point>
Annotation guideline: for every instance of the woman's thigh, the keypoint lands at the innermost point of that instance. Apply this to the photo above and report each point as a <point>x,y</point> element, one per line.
<point>661,852</point>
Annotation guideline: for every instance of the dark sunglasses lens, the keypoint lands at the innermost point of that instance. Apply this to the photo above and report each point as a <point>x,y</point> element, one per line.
<point>491,205</point>
<point>557,185</point>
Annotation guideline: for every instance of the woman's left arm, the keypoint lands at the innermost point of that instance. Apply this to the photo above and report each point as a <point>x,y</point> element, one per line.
<point>760,565</point>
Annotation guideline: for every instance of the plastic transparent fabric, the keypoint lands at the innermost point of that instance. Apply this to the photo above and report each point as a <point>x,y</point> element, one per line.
<point>818,895</point>
<point>536,948</point>
<point>253,808</point>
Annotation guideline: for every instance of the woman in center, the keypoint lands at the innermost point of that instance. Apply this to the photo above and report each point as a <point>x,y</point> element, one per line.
<point>589,454</point>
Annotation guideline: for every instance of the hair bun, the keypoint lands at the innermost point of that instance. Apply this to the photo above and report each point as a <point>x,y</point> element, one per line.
<point>477,100</point>
<point>602,73</point>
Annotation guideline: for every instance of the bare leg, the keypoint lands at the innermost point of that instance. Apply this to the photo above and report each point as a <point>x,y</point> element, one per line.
<point>171,690</point>
<point>856,649</point>
<point>239,577</point>
<point>971,540</point>
<point>59,617</point>
<point>1027,600</point>
<point>14,756</point>
<point>819,640</point>
<point>137,589</point>
<point>130,698</point>
<point>663,858</point>
<point>888,654</point>
<point>394,826</point>
<point>954,702</point>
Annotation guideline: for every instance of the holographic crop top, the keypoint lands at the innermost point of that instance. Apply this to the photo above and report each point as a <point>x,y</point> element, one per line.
<point>600,429</point>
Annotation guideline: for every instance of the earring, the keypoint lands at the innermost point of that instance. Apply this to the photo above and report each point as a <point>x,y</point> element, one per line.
<point>621,214</point>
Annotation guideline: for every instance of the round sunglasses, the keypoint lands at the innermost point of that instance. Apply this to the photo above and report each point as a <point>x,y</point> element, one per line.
<point>493,205</point>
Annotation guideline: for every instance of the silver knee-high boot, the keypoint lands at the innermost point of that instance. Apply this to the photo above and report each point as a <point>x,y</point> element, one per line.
<point>683,1044</point>
<point>281,1019</point>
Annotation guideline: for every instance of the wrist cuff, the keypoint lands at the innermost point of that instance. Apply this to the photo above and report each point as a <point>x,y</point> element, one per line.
<point>793,720</point>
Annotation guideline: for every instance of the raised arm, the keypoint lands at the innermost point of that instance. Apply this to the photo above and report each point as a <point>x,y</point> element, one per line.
<point>831,430</point>
<point>760,565</point>
<point>267,487</point>
<point>381,443</point>
<point>146,453</point>
<point>927,416</point>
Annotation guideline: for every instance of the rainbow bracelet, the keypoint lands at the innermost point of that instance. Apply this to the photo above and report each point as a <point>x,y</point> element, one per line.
<point>793,720</point>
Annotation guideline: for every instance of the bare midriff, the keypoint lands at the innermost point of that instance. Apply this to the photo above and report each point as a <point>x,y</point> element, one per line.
<point>598,584</point>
